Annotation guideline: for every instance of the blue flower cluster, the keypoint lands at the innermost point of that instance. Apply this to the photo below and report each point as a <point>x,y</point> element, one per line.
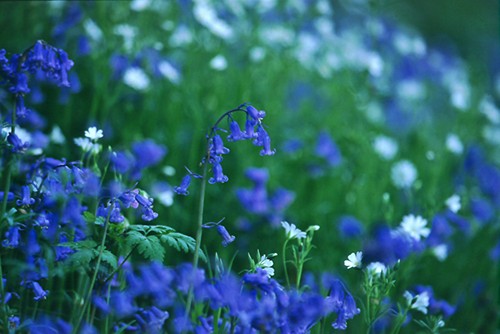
<point>254,131</point>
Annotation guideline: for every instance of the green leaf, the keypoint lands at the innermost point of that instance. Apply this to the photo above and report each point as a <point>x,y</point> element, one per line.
<point>110,259</point>
<point>84,244</point>
<point>148,246</point>
<point>182,242</point>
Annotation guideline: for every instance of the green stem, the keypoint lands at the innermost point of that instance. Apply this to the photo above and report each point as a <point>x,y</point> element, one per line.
<point>94,276</point>
<point>201,205</point>
<point>284,263</point>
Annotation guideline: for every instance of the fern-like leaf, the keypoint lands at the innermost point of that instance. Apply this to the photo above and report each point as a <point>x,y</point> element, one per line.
<point>182,242</point>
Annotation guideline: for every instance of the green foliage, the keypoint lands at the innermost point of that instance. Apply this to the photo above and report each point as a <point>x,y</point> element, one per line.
<point>86,252</point>
<point>151,239</point>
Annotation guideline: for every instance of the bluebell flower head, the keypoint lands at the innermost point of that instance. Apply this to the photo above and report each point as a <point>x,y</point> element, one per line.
<point>263,140</point>
<point>14,322</point>
<point>26,199</point>
<point>147,153</point>
<point>217,147</point>
<point>152,320</point>
<point>236,133</point>
<point>255,114</point>
<point>482,209</point>
<point>250,128</point>
<point>182,189</point>
<point>147,207</point>
<point>226,237</point>
<point>38,291</point>
<point>350,227</point>
<point>12,237</point>
<point>257,175</point>
<point>219,176</point>
<point>17,145</point>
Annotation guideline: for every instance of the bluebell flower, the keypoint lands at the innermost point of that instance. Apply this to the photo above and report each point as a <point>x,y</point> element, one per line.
<point>482,209</point>
<point>46,325</point>
<point>236,133</point>
<point>255,114</point>
<point>14,323</point>
<point>12,237</point>
<point>147,207</point>
<point>350,227</point>
<point>219,176</point>
<point>182,189</point>
<point>217,147</point>
<point>151,321</point>
<point>17,145</point>
<point>10,196</point>
<point>20,85</point>
<point>226,237</point>
<point>250,128</point>
<point>147,153</point>
<point>26,199</point>
<point>263,140</point>
<point>38,291</point>
<point>21,110</point>
<point>257,175</point>
<point>122,162</point>
<point>122,304</point>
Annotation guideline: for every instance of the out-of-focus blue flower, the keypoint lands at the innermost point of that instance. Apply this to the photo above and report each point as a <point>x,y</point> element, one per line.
<point>436,306</point>
<point>14,322</point>
<point>350,227</point>
<point>152,320</point>
<point>482,209</point>
<point>45,325</point>
<point>12,237</point>
<point>226,237</point>
<point>147,153</point>
<point>17,144</point>
<point>327,149</point>
<point>182,189</point>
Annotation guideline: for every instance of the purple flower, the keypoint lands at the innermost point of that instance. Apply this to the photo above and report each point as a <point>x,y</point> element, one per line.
<point>26,199</point>
<point>218,146</point>
<point>20,85</point>
<point>219,176</point>
<point>263,140</point>
<point>148,153</point>
<point>254,113</point>
<point>151,321</point>
<point>226,237</point>
<point>16,143</point>
<point>350,227</point>
<point>38,290</point>
<point>11,237</point>
<point>147,207</point>
<point>326,148</point>
<point>182,189</point>
<point>236,133</point>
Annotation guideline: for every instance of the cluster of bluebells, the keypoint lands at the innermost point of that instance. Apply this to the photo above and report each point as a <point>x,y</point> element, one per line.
<point>152,295</point>
<point>254,131</point>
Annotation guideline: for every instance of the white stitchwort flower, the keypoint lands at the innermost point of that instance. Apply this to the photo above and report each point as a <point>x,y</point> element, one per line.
<point>136,78</point>
<point>218,63</point>
<point>93,133</point>
<point>415,227</point>
<point>292,232</point>
<point>56,135</point>
<point>453,203</point>
<point>454,144</point>
<point>440,252</point>
<point>419,302</point>
<point>385,147</point>
<point>354,260</point>
<point>266,264</point>
<point>376,268</point>
<point>403,174</point>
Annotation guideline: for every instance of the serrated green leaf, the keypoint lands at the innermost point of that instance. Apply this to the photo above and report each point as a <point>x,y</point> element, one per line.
<point>182,242</point>
<point>110,259</point>
<point>89,217</point>
<point>151,248</point>
<point>81,258</point>
<point>83,244</point>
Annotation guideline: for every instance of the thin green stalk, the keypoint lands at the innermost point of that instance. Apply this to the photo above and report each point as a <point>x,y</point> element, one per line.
<point>284,263</point>
<point>299,272</point>
<point>201,205</point>
<point>94,276</point>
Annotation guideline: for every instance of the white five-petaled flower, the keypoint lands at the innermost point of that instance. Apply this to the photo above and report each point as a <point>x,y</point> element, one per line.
<point>292,232</point>
<point>419,302</point>
<point>376,269</point>
<point>354,260</point>
<point>415,227</point>
<point>403,174</point>
<point>267,265</point>
<point>93,133</point>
